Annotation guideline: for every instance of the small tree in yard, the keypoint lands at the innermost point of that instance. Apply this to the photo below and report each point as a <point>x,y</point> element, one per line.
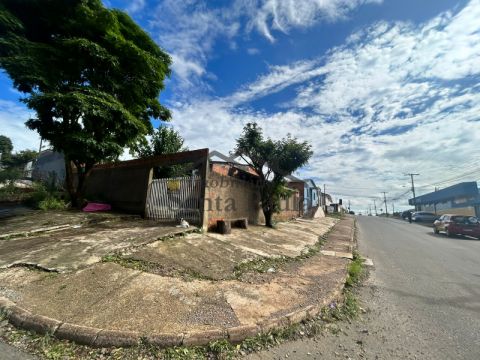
<point>91,74</point>
<point>164,140</point>
<point>272,161</point>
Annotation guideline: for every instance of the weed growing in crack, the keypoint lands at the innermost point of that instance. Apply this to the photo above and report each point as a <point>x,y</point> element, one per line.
<point>263,264</point>
<point>356,271</point>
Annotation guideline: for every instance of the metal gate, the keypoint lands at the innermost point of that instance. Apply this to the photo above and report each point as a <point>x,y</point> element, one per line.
<point>174,198</point>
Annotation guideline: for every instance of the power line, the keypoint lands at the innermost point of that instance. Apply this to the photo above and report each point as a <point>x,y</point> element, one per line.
<point>456,178</point>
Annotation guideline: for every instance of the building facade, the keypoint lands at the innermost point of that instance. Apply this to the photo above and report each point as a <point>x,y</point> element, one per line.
<point>461,199</point>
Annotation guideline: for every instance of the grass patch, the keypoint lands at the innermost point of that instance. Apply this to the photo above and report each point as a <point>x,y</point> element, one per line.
<point>52,203</point>
<point>129,262</point>
<point>355,271</point>
<point>336,215</point>
<point>154,268</point>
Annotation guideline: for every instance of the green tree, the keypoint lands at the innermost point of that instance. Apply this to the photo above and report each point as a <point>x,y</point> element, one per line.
<point>91,74</point>
<point>164,140</point>
<point>21,158</point>
<point>272,161</point>
<point>6,148</point>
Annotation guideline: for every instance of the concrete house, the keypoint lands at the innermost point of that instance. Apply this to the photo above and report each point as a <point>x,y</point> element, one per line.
<point>311,197</point>
<point>49,164</point>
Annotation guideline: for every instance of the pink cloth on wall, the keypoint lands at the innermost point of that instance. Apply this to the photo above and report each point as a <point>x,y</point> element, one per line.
<point>91,207</point>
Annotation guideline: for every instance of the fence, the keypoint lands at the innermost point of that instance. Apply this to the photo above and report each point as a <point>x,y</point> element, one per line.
<point>174,198</point>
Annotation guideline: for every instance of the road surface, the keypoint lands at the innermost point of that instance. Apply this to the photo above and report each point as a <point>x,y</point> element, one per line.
<point>8,352</point>
<point>422,299</point>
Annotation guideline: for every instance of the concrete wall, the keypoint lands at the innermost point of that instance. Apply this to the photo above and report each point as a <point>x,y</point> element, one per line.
<point>124,185</point>
<point>125,188</point>
<point>291,208</point>
<point>300,187</point>
<point>230,198</point>
<point>467,211</point>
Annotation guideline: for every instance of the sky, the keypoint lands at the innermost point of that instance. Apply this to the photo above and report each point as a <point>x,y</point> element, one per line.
<point>378,88</point>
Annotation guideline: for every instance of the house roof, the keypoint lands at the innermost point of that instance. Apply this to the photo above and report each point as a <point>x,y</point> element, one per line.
<point>311,183</point>
<point>222,157</point>
<point>291,178</point>
<point>467,189</point>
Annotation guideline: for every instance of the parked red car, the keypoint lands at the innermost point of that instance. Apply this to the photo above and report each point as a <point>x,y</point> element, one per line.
<point>457,225</point>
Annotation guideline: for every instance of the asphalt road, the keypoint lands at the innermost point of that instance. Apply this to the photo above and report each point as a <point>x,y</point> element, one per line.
<point>422,299</point>
<point>8,352</point>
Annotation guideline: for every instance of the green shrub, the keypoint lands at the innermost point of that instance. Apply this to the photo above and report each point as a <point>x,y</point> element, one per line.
<point>52,203</point>
<point>355,272</point>
<point>38,194</point>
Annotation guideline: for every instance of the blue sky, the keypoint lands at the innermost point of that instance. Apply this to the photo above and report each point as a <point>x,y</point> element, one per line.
<point>379,88</point>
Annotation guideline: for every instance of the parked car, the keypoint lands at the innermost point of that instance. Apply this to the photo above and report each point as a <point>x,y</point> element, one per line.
<point>457,225</point>
<point>404,214</point>
<point>422,216</point>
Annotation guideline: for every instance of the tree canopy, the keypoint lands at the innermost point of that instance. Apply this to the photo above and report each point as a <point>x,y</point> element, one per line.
<point>164,140</point>
<point>272,161</point>
<point>91,74</point>
<point>6,148</point>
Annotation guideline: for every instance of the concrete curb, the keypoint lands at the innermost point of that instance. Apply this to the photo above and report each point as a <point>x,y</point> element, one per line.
<point>95,337</point>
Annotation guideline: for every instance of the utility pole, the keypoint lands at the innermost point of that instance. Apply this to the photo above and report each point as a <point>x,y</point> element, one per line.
<point>348,205</point>
<point>413,189</point>
<point>370,209</point>
<point>375,206</point>
<point>324,199</point>
<point>393,209</point>
<point>385,201</point>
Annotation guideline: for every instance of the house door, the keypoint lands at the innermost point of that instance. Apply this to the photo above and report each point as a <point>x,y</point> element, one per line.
<point>174,198</point>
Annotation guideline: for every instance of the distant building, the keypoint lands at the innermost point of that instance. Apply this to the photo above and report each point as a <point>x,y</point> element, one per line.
<point>50,165</point>
<point>461,199</point>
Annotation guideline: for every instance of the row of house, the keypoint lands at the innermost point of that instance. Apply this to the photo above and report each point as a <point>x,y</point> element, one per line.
<point>308,200</point>
<point>215,187</point>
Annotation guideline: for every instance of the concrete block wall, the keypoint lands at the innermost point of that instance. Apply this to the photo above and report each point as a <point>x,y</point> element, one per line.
<point>230,198</point>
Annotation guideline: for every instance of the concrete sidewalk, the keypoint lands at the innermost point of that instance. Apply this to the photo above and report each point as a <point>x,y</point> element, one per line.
<point>108,304</point>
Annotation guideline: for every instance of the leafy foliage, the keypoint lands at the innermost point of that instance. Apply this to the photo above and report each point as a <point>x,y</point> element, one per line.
<point>164,140</point>
<point>272,161</point>
<point>92,75</point>
<point>6,148</point>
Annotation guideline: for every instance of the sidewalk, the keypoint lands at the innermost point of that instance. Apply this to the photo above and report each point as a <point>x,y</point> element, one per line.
<point>117,303</point>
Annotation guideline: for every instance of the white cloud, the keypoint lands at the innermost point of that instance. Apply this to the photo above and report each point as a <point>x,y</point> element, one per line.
<point>188,30</point>
<point>12,124</point>
<point>282,15</point>
<point>396,98</point>
<point>135,6</point>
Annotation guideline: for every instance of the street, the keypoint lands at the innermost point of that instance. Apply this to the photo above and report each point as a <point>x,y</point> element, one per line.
<point>9,352</point>
<point>422,299</point>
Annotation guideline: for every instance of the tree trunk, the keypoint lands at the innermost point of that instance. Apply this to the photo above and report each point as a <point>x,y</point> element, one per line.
<point>83,173</point>
<point>268,217</point>
<point>69,182</point>
<point>76,192</point>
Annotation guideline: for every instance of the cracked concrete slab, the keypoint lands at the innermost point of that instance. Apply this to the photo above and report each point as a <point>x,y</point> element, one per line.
<point>114,298</point>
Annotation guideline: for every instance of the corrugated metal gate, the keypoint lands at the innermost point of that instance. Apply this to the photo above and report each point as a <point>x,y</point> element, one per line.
<point>174,198</point>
